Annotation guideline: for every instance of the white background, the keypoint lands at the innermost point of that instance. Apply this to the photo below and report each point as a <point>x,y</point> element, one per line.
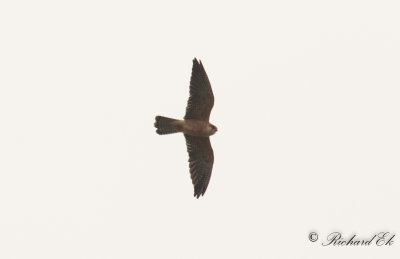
<point>306,102</point>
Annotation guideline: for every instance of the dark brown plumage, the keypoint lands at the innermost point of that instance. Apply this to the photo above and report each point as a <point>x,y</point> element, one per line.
<point>201,160</point>
<point>201,98</point>
<point>196,128</point>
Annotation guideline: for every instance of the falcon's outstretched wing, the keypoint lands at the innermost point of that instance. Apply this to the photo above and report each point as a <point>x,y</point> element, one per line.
<point>201,160</point>
<point>201,99</point>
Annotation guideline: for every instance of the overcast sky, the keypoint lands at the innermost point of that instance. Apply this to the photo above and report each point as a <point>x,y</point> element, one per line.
<point>306,103</point>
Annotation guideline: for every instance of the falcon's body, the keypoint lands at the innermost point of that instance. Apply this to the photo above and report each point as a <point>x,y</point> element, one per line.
<point>196,128</point>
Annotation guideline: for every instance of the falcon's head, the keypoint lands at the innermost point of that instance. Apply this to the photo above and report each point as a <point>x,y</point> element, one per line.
<point>212,129</point>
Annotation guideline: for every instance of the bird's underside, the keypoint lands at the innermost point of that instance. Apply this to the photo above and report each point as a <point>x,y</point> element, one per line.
<point>196,128</point>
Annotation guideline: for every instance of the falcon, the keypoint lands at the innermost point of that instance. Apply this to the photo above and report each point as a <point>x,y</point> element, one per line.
<point>196,128</point>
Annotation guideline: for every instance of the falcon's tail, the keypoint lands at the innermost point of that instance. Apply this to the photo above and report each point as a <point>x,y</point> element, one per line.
<point>166,125</point>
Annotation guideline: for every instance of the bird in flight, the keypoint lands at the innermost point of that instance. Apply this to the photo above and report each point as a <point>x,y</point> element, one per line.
<point>196,128</point>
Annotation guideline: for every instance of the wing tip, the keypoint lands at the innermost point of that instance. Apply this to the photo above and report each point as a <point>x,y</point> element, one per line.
<point>197,61</point>
<point>199,191</point>
<point>198,195</point>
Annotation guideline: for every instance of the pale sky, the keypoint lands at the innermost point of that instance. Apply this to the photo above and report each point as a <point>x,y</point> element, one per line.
<point>306,103</point>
